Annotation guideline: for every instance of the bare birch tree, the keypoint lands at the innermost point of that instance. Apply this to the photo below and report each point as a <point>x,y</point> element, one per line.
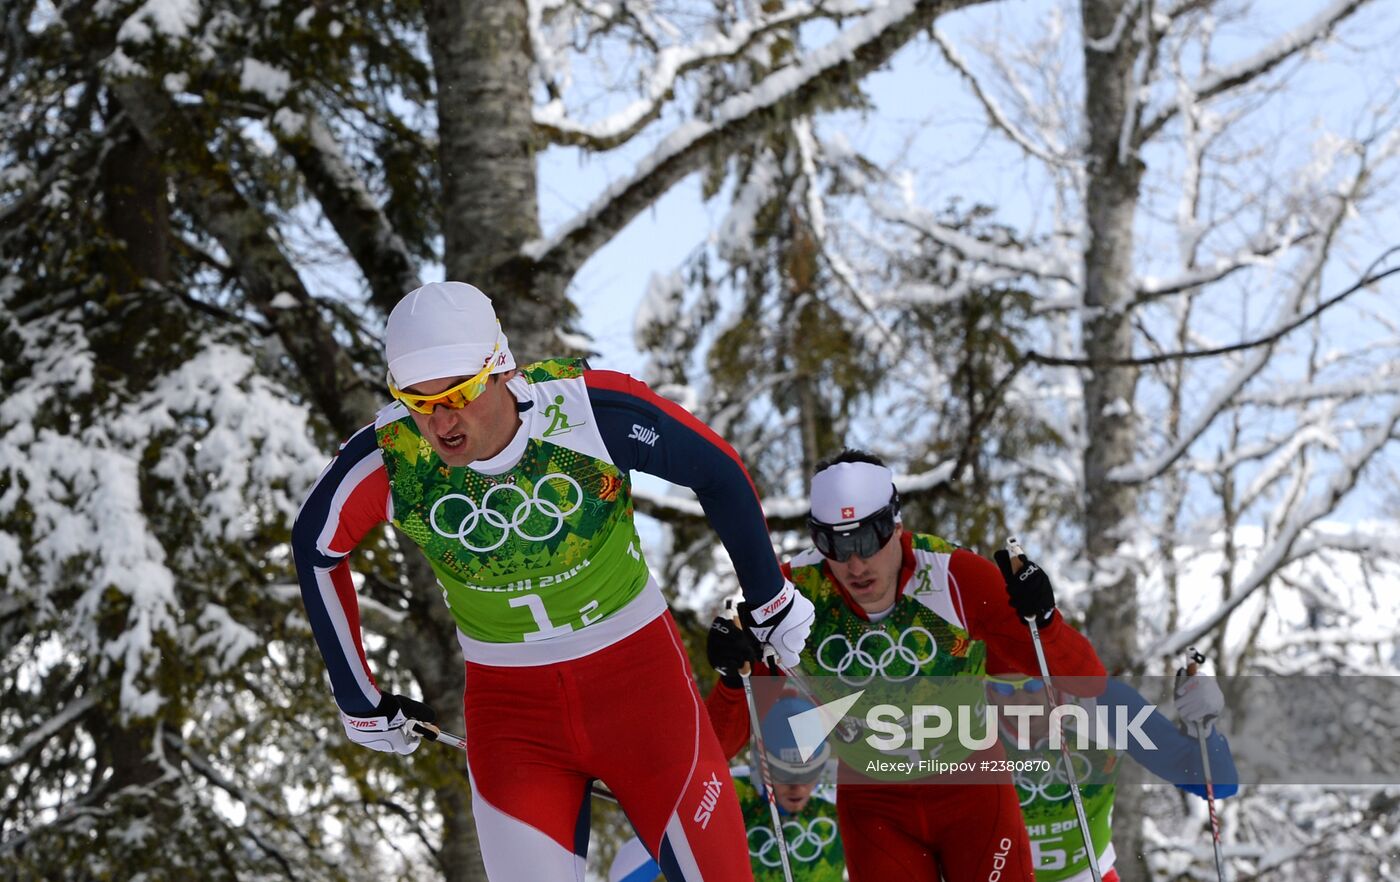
<point>1208,260</point>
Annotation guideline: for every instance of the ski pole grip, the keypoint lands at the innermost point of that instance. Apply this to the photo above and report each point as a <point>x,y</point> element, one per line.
<point>746,668</point>
<point>426,730</point>
<point>1018,554</point>
<point>1194,661</point>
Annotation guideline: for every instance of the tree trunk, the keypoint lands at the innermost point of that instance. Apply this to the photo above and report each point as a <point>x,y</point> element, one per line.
<point>136,211</point>
<point>1114,176</point>
<point>481,58</point>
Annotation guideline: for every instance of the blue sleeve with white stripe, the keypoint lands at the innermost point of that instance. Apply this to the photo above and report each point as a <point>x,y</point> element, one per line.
<point>651,434</point>
<point>348,500</point>
<point>1177,757</point>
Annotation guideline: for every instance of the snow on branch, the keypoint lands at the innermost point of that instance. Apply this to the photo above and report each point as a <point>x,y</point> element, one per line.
<point>671,64</point>
<point>207,189</point>
<point>668,506</point>
<point>1022,260</point>
<point>206,769</point>
<point>816,215</point>
<point>1317,432</point>
<point>1341,637</point>
<point>1283,328</point>
<point>864,45</point>
<point>1387,382</point>
<point>1283,47</point>
<point>1289,545</point>
<point>374,245</point>
<point>1260,350</point>
<point>783,511</point>
<point>36,737</point>
<point>1256,254</point>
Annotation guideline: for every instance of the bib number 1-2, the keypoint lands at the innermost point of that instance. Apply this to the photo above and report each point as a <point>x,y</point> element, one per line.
<point>544,628</point>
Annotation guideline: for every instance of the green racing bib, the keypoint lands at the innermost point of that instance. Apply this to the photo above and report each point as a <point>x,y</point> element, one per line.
<point>546,548</point>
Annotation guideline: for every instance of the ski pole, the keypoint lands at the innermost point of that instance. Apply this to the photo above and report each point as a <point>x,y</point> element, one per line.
<point>761,753</point>
<point>1192,666</point>
<point>847,729</point>
<point>433,733</point>
<point>1066,756</point>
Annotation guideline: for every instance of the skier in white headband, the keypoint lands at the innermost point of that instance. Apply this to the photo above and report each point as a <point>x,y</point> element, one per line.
<point>892,606</point>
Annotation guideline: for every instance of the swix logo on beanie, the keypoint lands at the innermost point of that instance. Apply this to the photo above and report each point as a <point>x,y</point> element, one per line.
<point>708,800</point>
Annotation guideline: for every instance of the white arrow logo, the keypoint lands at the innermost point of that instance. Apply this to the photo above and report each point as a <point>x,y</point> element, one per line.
<point>810,728</point>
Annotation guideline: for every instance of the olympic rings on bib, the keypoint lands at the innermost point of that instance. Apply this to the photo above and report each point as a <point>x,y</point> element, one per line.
<point>804,843</point>
<point>1031,785</point>
<point>528,505</point>
<point>862,654</point>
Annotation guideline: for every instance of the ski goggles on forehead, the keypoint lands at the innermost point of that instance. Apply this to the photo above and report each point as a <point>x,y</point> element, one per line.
<point>862,538</point>
<point>457,397</point>
<point>1029,685</point>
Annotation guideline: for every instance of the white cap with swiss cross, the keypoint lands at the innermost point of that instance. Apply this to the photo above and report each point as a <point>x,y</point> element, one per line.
<point>850,491</point>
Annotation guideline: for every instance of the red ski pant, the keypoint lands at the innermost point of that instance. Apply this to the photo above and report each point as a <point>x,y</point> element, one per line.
<point>915,832</point>
<point>628,715</point>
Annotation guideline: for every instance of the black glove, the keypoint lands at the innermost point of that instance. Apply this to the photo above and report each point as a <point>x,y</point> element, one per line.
<point>728,647</point>
<point>1031,594</point>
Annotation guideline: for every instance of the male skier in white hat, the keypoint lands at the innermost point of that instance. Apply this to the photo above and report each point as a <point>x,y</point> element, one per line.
<point>515,484</point>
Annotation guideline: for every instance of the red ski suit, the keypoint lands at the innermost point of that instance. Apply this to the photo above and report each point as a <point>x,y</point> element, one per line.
<point>960,832</point>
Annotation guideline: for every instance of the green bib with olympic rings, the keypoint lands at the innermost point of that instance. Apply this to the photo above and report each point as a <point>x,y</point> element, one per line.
<point>889,658</point>
<point>542,550</point>
<point>813,843</point>
<point>1057,843</point>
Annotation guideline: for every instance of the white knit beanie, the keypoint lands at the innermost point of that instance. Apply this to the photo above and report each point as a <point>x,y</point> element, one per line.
<point>444,329</point>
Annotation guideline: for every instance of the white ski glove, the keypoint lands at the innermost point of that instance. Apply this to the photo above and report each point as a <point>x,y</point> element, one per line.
<point>783,623</point>
<point>1198,702</point>
<point>387,728</point>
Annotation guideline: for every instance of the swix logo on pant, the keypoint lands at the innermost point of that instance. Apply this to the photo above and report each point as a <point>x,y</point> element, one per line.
<point>999,859</point>
<point>708,800</point>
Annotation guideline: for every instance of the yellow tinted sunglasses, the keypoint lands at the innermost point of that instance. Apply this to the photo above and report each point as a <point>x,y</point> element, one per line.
<point>457,397</point>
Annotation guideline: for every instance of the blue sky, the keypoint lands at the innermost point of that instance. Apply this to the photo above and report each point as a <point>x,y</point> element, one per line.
<point>926,119</point>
